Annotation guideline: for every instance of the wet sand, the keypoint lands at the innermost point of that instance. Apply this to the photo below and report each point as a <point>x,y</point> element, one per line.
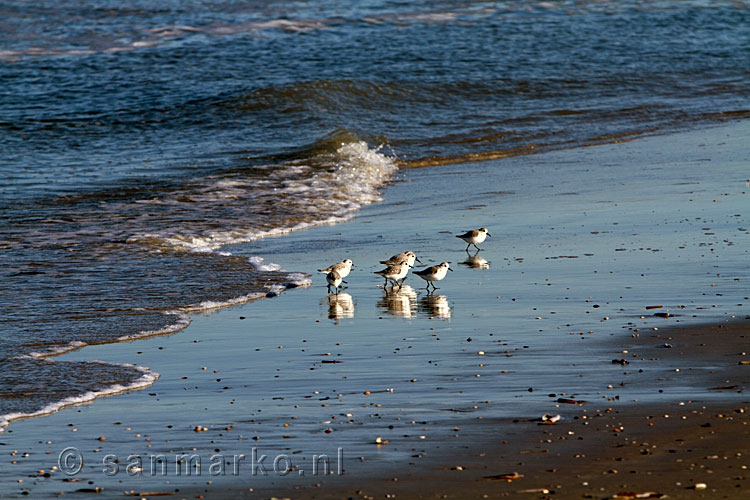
<point>696,448</point>
<point>584,242</point>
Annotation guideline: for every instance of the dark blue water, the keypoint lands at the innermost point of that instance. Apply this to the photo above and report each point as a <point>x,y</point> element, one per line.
<point>136,140</point>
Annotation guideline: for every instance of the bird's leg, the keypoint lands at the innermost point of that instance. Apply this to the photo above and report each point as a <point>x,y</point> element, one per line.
<point>467,247</point>
<point>478,249</point>
<point>329,288</point>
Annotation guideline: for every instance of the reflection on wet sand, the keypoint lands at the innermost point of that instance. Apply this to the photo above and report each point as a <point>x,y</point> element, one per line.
<point>399,301</point>
<point>435,306</point>
<point>339,306</point>
<point>475,261</point>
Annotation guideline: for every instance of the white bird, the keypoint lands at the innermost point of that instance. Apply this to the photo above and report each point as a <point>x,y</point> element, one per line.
<point>334,280</point>
<point>395,273</point>
<point>474,236</point>
<point>433,274</point>
<point>343,268</point>
<point>407,256</point>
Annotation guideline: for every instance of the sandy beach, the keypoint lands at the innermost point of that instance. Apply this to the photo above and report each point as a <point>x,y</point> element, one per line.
<point>612,293</point>
<point>696,448</point>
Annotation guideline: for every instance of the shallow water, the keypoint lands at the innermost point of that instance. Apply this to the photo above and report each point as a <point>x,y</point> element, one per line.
<point>137,141</point>
<point>569,272</point>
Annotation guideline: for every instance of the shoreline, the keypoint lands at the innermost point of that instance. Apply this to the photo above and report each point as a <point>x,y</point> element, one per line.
<point>566,275</point>
<point>296,279</point>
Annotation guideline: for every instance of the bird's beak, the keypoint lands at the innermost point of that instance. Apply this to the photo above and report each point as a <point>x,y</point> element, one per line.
<point>417,260</point>
<point>449,269</point>
<point>488,234</point>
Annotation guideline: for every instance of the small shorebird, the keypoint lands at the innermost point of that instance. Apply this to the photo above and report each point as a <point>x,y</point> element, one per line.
<point>343,268</point>
<point>433,274</point>
<point>395,273</point>
<point>474,236</point>
<point>334,280</point>
<point>407,256</point>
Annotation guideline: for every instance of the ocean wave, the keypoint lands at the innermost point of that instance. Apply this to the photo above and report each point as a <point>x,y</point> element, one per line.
<point>183,321</point>
<point>147,378</point>
<point>57,350</point>
<point>129,40</point>
<point>170,245</point>
<point>258,263</point>
<point>210,305</point>
<point>325,188</point>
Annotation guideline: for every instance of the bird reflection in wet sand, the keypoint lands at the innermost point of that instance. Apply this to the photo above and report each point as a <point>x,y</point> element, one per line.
<point>340,305</point>
<point>435,306</point>
<point>475,261</point>
<point>399,301</point>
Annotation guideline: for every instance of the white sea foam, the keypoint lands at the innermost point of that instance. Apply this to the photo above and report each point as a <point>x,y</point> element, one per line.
<point>320,195</point>
<point>183,320</point>
<point>258,265</point>
<point>57,350</point>
<point>210,305</point>
<point>438,17</point>
<point>147,378</point>
<point>298,279</point>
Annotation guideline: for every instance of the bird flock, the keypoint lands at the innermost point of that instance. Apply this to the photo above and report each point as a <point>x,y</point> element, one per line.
<point>398,266</point>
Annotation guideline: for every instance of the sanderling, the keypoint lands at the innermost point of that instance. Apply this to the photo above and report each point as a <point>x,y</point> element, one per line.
<point>474,236</point>
<point>395,273</point>
<point>434,273</point>
<point>343,268</point>
<point>334,279</point>
<point>407,256</point>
